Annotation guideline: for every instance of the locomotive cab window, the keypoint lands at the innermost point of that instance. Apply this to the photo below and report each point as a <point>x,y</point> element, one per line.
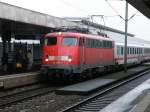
<point>50,41</point>
<point>69,41</point>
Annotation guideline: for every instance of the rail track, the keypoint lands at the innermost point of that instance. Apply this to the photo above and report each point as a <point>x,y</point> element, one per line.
<point>109,94</point>
<point>6,100</point>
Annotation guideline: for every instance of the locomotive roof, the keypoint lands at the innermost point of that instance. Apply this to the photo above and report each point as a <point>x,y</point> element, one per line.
<point>78,35</point>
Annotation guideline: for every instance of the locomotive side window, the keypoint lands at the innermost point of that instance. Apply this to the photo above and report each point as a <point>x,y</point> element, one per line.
<point>93,43</point>
<point>104,44</point>
<point>110,44</point>
<point>107,44</point>
<point>89,43</point>
<point>50,41</point>
<point>69,41</point>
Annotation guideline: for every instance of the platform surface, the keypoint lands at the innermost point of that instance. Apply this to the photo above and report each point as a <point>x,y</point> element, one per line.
<point>15,80</point>
<point>87,86</point>
<point>127,103</point>
<point>143,104</point>
<point>94,84</point>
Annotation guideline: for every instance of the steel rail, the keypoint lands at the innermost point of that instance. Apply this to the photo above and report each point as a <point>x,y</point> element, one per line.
<point>110,88</point>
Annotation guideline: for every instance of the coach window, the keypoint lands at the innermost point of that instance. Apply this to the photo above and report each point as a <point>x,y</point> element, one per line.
<point>130,50</point>
<point>69,41</point>
<point>50,41</point>
<point>127,50</point>
<point>140,51</point>
<point>118,50</point>
<point>122,50</point>
<point>135,50</point>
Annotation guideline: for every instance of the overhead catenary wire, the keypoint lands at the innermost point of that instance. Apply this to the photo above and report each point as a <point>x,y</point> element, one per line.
<point>135,14</point>
<point>74,6</point>
<point>79,9</point>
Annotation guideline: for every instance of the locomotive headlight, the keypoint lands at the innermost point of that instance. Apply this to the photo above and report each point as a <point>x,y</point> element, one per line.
<point>46,59</point>
<point>69,59</point>
<point>66,58</point>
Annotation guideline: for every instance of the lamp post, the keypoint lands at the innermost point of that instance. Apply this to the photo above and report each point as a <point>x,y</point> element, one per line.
<point>126,33</point>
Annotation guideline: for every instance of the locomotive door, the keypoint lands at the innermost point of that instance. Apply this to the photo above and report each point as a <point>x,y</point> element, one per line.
<point>82,51</point>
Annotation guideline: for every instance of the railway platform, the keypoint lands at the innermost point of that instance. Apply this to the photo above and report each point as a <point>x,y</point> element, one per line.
<point>90,86</point>
<point>136,100</point>
<point>144,104</point>
<point>15,80</point>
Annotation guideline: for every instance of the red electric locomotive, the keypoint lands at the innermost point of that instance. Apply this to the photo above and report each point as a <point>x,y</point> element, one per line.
<point>68,52</point>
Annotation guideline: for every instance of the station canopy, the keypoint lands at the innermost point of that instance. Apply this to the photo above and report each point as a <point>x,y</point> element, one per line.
<point>142,5</point>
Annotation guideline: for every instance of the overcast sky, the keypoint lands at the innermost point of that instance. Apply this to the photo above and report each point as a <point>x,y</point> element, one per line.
<point>139,25</point>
